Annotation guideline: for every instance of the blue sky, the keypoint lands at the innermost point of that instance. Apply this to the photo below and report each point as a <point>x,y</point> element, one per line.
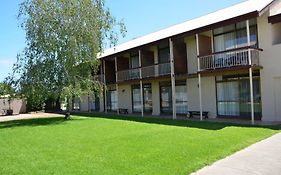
<point>140,16</point>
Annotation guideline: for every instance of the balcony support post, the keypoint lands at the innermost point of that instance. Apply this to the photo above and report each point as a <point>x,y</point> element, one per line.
<point>116,76</point>
<point>213,50</point>
<point>104,88</point>
<point>171,44</point>
<point>199,78</point>
<point>250,74</point>
<point>141,88</point>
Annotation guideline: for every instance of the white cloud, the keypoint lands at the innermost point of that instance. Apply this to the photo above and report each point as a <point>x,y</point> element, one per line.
<point>6,62</point>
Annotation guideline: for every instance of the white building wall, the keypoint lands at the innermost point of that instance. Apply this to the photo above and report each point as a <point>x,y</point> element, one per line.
<point>208,95</point>
<point>270,60</point>
<point>125,97</point>
<point>155,98</point>
<point>17,105</point>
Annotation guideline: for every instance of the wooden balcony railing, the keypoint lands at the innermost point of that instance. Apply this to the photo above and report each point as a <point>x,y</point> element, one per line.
<point>131,74</point>
<point>147,72</point>
<point>230,58</point>
<point>156,70</point>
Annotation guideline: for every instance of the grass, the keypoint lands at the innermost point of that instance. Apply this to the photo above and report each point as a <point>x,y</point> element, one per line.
<point>116,145</point>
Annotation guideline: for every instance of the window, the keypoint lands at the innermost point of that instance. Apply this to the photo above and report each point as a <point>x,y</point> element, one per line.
<point>136,95</point>
<point>111,97</point>
<point>181,99</point>
<point>147,98</point>
<point>164,53</point>
<point>94,102</point>
<point>134,60</point>
<point>233,97</point>
<point>76,103</point>
<point>166,97</point>
<point>235,36</point>
<point>276,34</point>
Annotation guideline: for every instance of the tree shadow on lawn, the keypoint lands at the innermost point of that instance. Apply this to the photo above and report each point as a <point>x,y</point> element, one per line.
<point>33,122</point>
<point>208,125</point>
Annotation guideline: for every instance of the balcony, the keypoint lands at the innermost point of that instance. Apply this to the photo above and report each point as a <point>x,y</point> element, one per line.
<point>156,70</point>
<point>131,74</point>
<point>231,58</point>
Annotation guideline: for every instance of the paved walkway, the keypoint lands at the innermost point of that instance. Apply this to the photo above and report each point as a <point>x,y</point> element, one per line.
<point>28,116</point>
<point>262,158</point>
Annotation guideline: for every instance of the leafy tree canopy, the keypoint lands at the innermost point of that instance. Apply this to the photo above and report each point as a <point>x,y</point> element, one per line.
<point>6,89</point>
<point>63,39</point>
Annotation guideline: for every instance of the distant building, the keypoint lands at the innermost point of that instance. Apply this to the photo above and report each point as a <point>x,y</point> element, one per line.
<point>17,105</point>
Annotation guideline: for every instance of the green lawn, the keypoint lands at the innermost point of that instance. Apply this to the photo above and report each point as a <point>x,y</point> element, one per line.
<point>112,145</point>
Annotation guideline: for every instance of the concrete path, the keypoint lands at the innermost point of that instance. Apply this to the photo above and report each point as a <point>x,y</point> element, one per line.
<point>262,158</point>
<point>28,116</point>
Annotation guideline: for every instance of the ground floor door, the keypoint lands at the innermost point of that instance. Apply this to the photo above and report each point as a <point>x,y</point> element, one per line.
<point>166,98</point>
<point>147,98</point>
<point>233,97</point>
<point>111,99</point>
<point>94,102</point>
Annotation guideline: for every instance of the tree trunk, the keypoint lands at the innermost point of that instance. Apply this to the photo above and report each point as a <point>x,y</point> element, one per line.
<point>67,114</point>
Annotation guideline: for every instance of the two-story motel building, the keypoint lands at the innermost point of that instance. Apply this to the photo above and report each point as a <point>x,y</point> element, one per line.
<point>227,63</point>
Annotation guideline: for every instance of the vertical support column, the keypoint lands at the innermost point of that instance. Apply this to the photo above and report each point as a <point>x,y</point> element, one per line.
<point>104,89</point>
<point>171,44</point>
<point>116,76</point>
<point>250,74</point>
<point>141,87</point>
<point>199,78</point>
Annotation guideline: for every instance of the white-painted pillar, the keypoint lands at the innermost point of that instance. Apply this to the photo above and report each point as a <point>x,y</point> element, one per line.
<point>141,87</point>
<point>199,78</point>
<point>173,78</point>
<point>116,76</point>
<point>104,89</point>
<point>250,73</point>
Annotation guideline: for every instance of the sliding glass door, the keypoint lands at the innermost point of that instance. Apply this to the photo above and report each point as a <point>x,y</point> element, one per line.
<point>180,97</point>
<point>136,95</point>
<point>166,99</point>
<point>111,97</point>
<point>233,97</point>
<point>94,102</point>
<point>147,98</point>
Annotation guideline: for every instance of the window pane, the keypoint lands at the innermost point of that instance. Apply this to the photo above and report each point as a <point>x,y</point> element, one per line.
<point>136,99</point>
<point>112,100</point>
<point>166,99</point>
<point>164,55</point>
<point>181,99</point>
<point>229,40</point>
<point>219,43</point>
<point>233,98</point>
<point>224,29</point>
<point>253,36</point>
<point>228,91</point>
<point>134,61</point>
<point>241,25</point>
<point>147,98</point>
<point>242,38</point>
<point>228,108</point>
